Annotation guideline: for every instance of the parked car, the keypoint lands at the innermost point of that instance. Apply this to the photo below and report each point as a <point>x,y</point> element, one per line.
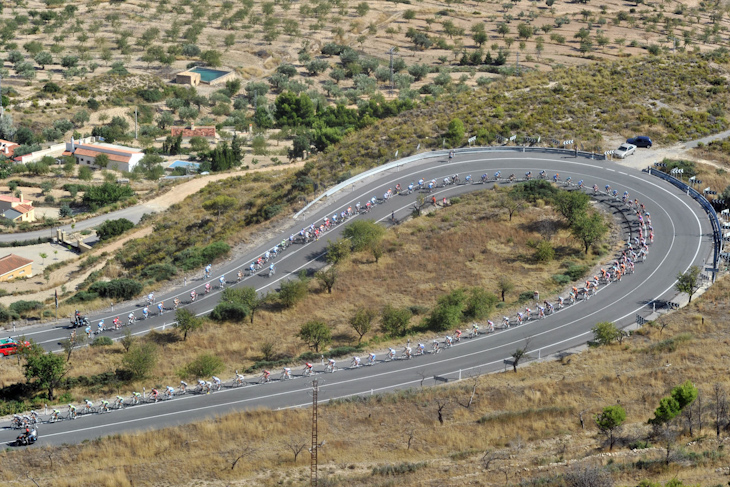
<point>640,141</point>
<point>624,150</point>
<point>8,346</point>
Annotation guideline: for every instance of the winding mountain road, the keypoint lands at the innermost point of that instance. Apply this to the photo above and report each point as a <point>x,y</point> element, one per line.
<point>683,238</point>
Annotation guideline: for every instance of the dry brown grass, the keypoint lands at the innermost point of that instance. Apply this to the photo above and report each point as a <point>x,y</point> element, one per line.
<point>530,420</point>
<point>468,244</point>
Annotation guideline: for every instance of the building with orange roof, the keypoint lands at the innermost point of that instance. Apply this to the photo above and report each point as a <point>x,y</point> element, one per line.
<point>120,157</point>
<point>13,266</point>
<point>16,209</point>
<point>7,148</point>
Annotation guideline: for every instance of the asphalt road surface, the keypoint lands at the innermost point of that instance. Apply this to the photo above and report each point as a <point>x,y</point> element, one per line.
<point>683,238</point>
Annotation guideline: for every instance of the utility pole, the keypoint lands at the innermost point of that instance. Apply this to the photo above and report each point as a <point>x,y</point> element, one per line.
<point>517,64</point>
<point>2,109</point>
<point>315,442</point>
<point>135,123</point>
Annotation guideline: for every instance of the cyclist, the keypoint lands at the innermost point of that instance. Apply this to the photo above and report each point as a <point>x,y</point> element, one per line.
<point>100,327</point>
<point>240,379</point>
<point>239,276</point>
<point>208,387</point>
<point>201,385</point>
<point>451,155</point>
<point>271,270</point>
<point>88,331</point>
<point>595,188</point>
<point>540,312</point>
<point>474,330</point>
<point>307,369</point>
<point>207,287</point>
<point>608,189</point>
<point>72,411</point>
<point>154,394</point>
<point>490,324</point>
<point>161,307</point>
<point>410,188</point>
<point>169,392</point>
<point>407,352</point>
<point>145,312</point>
<point>116,323</point>
<point>496,175</point>
<point>468,179</point>
<point>104,406</point>
<point>150,298</point>
<point>371,358</point>
<point>519,318</point>
<point>355,362</point>
<point>528,313</point>
<point>542,174</point>
<point>449,341</point>
<point>286,374</point>
<point>136,396</point>
<point>54,416</point>
<point>435,346</point>
<point>88,406</point>
<point>193,295</point>
<point>457,336</point>
<point>528,175</point>
<point>580,184</point>
<point>556,178</point>
<point>331,366</point>
<point>207,271</point>
<point>421,349</point>
<point>176,302</point>
<point>119,402</point>
<point>391,354</point>
<point>216,383</point>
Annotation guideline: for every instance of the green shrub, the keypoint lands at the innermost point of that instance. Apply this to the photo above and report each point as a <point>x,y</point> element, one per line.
<point>102,342</point>
<point>112,228</point>
<point>23,308</point>
<point>82,296</point>
<point>561,279</point>
<point>400,469</point>
<point>226,311</point>
<point>544,251</point>
<point>204,365</point>
<point>575,272</point>
<point>525,296</point>
<point>159,272</point>
<point>117,288</point>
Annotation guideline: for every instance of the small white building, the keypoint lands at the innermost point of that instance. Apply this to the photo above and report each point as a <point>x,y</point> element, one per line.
<point>120,157</point>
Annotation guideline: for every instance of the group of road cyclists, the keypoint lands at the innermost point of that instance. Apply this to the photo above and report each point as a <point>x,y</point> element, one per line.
<point>636,250</point>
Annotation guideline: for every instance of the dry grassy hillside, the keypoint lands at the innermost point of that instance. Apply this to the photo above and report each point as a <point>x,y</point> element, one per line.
<point>521,429</point>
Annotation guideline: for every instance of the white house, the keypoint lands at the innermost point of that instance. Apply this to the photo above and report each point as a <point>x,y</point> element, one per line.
<point>120,157</point>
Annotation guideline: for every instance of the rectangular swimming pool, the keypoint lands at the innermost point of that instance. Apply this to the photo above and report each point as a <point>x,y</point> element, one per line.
<point>208,75</point>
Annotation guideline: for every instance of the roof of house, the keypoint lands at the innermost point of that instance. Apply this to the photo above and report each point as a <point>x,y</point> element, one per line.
<point>118,148</point>
<point>93,153</point>
<point>23,208</point>
<point>11,262</point>
<point>11,214</point>
<point>10,146</point>
<point>9,198</point>
<point>193,132</point>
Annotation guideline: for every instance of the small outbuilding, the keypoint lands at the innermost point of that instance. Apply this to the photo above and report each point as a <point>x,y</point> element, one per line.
<point>188,78</point>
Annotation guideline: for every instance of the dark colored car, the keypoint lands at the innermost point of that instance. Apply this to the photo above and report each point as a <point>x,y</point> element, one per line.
<point>640,141</point>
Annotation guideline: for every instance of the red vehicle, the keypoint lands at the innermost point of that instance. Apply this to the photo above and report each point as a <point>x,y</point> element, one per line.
<point>8,346</point>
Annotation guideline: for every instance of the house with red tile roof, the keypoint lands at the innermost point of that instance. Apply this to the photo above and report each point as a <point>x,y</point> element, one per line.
<point>120,157</point>
<point>16,209</point>
<point>7,148</point>
<point>13,266</point>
